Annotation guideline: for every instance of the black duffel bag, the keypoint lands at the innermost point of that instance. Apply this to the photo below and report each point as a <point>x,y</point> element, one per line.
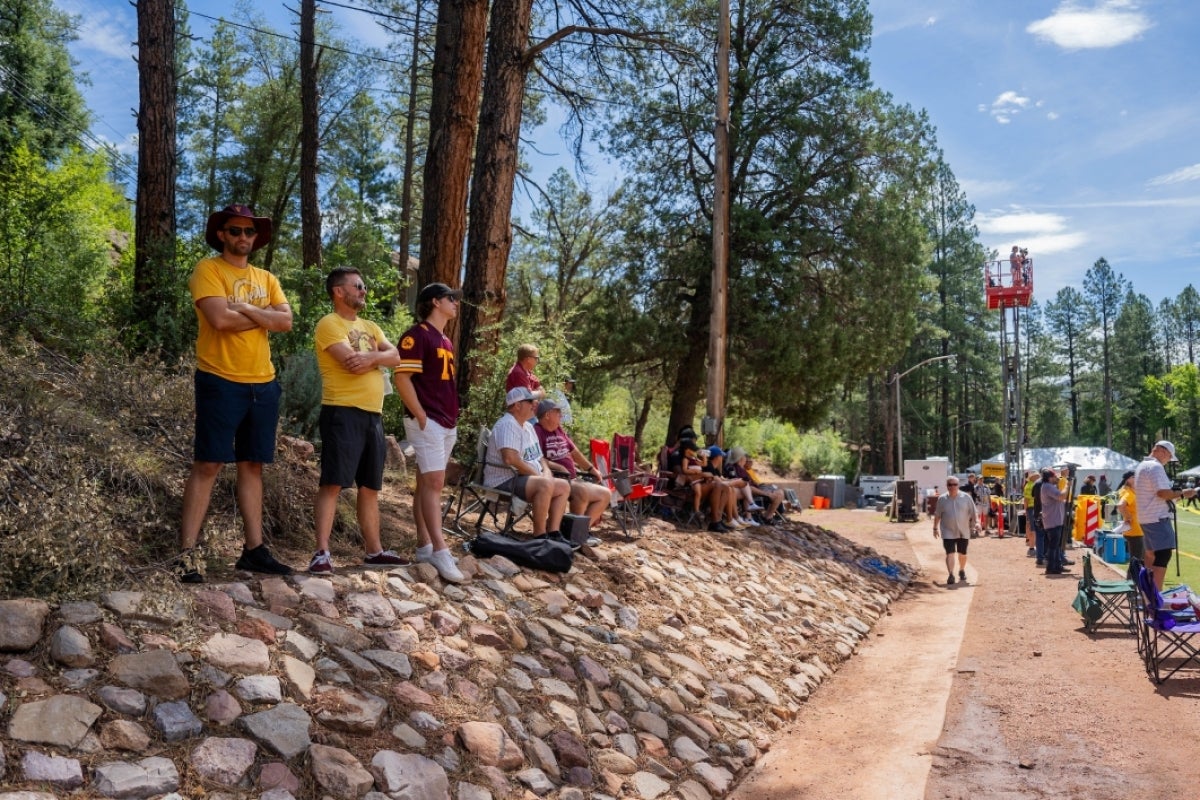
<point>551,555</point>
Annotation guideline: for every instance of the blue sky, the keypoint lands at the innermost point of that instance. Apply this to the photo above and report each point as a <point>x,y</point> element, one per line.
<point>1071,126</point>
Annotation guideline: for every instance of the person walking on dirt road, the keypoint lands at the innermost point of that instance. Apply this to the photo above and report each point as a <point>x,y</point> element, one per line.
<point>955,516</point>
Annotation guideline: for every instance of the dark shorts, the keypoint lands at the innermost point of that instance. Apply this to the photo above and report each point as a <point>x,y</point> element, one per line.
<point>352,447</point>
<point>955,545</point>
<point>235,421</point>
<point>515,485</point>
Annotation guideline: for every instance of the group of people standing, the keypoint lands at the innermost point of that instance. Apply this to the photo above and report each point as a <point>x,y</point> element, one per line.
<point>237,401</point>
<point>1143,498</point>
<point>237,411</point>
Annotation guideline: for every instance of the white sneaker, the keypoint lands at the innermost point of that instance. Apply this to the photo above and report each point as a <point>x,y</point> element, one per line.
<point>754,507</point>
<point>594,541</point>
<point>424,554</point>
<point>752,522</point>
<point>447,567</point>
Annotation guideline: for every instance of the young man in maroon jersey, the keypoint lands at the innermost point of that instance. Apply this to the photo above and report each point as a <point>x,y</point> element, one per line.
<point>425,383</point>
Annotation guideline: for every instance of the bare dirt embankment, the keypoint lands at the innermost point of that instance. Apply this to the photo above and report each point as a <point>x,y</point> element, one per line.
<point>992,690</point>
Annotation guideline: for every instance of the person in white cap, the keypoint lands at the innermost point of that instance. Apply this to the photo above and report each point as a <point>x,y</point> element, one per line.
<point>1152,489</point>
<point>514,446</point>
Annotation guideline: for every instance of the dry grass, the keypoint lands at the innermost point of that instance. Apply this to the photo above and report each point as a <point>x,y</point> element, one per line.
<point>93,456</point>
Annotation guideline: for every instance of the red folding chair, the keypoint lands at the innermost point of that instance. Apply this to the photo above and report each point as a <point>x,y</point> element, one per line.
<point>626,501</point>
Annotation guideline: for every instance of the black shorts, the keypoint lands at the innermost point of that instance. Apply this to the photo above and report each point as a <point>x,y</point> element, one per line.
<point>515,486</point>
<point>352,447</point>
<point>955,545</point>
<point>235,421</point>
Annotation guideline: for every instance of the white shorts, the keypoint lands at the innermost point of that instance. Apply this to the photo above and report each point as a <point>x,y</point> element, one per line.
<point>432,445</point>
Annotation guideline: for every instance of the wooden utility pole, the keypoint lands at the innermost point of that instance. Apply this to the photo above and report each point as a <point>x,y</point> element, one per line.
<point>715,408</point>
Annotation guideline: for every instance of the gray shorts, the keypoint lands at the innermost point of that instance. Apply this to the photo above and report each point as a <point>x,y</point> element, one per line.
<point>1159,535</point>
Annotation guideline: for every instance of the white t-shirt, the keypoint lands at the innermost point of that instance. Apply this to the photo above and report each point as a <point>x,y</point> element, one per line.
<point>1148,478</point>
<point>508,433</point>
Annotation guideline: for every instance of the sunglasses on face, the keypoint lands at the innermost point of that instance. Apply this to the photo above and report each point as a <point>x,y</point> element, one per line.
<point>362,287</point>
<point>235,231</point>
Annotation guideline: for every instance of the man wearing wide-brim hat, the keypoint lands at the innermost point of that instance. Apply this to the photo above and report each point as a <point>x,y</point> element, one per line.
<point>237,396</point>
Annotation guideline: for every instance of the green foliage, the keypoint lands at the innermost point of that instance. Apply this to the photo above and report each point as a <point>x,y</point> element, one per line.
<point>64,235</point>
<point>787,450</point>
<point>828,175</point>
<point>40,105</point>
<point>300,402</point>
<point>616,412</point>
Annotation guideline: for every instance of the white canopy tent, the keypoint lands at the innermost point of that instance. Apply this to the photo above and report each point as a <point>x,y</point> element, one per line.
<point>1194,472</point>
<point>1095,461</point>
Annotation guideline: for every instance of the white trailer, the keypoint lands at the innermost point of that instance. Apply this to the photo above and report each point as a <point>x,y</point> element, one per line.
<point>930,474</point>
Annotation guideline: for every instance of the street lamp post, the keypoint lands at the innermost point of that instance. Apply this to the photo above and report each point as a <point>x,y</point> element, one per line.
<point>899,426</point>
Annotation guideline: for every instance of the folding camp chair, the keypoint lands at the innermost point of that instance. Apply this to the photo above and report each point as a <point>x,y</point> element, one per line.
<point>484,503</point>
<point>626,497</point>
<point>1097,601</point>
<point>1169,644</point>
<point>634,483</point>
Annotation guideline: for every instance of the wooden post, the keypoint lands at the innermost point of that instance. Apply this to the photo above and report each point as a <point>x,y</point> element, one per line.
<point>715,407</point>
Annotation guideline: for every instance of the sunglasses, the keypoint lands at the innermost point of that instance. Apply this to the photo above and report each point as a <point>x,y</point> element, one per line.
<point>234,230</point>
<point>952,484</point>
<point>449,297</point>
<point>362,287</point>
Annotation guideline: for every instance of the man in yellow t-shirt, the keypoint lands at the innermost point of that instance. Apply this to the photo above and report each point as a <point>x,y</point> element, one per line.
<point>237,396</point>
<point>351,353</point>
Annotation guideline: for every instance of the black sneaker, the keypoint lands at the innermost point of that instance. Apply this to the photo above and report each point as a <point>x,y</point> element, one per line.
<point>962,574</point>
<point>260,560</point>
<point>1041,562</point>
<point>187,569</point>
<point>718,527</point>
<point>950,579</point>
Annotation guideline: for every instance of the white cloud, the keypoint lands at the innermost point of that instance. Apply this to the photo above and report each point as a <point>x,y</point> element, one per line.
<point>102,29</point>
<point>1181,175</point>
<point>1052,115</point>
<point>1109,23</point>
<point>1006,106</point>
<point>975,189</point>
<point>1042,233</point>
<point>930,22</point>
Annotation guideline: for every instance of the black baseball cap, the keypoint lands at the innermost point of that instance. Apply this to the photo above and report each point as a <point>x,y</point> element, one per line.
<point>436,291</point>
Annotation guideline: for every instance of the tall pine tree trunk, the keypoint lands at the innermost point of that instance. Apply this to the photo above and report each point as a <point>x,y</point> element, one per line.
<point>492,185</point>
<point>410,157</point>
<point>453,112</point>
<point>310,209</point>
<point>154,240</point>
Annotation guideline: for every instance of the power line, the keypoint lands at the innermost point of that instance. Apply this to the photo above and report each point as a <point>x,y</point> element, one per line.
<point>121,166</point>
<point>296,39</point>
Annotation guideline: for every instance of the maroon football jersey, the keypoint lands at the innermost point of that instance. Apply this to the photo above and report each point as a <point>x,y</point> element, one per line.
<point>428,355</point>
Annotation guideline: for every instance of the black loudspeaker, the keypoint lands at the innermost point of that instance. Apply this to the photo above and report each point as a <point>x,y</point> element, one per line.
<point>574,528</point>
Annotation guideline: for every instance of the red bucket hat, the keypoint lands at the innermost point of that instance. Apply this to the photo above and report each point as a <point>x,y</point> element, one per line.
<point>217,220</point>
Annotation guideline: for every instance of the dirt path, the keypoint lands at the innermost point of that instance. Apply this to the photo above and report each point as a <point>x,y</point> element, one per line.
<point>987,691</point>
